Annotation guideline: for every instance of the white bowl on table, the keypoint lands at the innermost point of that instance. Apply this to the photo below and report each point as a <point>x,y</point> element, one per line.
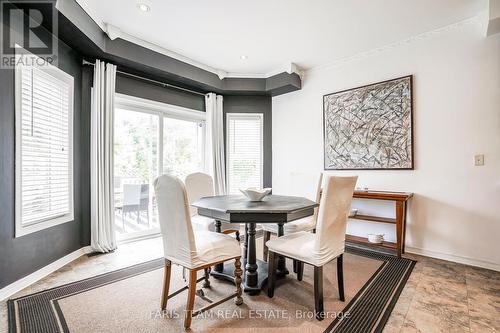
<point>255,194</point>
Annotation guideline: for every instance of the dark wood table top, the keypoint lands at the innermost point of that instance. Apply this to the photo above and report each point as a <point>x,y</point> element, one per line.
<point>240,204</point>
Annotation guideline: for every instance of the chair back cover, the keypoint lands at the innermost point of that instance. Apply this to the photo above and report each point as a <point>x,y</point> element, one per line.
<point>198,185</point>
<point>332,216</point>
<point>175,220</point>
<point>318,195</point>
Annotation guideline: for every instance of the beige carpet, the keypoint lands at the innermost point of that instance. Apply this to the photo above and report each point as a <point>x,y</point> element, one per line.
<point>131,305</point>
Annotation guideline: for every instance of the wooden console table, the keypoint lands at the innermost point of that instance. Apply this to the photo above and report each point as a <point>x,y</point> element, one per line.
<point>401,199</point>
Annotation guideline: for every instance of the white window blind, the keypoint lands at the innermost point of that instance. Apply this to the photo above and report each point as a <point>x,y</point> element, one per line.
<point>244,151</point>
<point>44,126</point>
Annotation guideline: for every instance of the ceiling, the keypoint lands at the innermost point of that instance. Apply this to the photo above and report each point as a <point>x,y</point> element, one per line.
<point>272,33</point>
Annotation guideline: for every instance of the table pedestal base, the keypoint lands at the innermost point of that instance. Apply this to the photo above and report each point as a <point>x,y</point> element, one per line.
<point>227,274</point>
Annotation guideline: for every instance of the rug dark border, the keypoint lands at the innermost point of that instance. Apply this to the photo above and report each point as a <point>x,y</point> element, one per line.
<point>384,317</point>
<point>148,266</point>
<point>395,298</point>
<point>142,268</point>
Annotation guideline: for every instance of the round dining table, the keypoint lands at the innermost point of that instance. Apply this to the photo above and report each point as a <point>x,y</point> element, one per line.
<point>279,209</point>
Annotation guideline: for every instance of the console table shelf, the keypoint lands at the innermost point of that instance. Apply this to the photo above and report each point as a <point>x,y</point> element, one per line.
<point>364,241</point>
<point>373,218</point>
<point>399,221</point>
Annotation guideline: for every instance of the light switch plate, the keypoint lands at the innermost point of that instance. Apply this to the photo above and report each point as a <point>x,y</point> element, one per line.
<point>479,160</point>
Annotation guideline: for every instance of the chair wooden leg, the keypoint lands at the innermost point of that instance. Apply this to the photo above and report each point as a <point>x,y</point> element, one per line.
<point>300,270</point>
<point>237,281</point>
<point>166,284</point>
<point>188,315</point>
<point>340,276</point>
<point>265,250</point>
<point>271,274</point>
<point>206,282</point>
<point>238,236</point>
<point>318,293</point>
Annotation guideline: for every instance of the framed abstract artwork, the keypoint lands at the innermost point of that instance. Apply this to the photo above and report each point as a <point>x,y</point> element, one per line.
<point>369,127</point>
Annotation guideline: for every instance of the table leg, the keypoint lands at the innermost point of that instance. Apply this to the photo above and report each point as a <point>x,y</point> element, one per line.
<point>399,226</point>
<point>281,267</point>
<point>220,267</point>
<point>251,275</point>
<point>254,280</point>
<point>405,211</point>
<point>245,246</point>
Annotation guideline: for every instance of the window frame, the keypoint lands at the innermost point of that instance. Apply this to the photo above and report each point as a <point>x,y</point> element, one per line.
<point>163,110</point>
<point>25,229</point>
<point>253,116</point>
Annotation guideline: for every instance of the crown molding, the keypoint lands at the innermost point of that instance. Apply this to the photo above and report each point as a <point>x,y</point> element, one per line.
<point>95,40</point>
<point>289,68</point>
<point>114,32</point>
<point>479,18</point>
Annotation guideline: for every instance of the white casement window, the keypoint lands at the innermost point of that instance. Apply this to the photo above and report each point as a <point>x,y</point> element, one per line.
<point>244,151</point>
<point>44,146</point>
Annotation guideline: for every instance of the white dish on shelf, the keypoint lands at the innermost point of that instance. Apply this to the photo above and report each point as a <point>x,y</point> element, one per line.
<point>353,212</point>
<point>376,238</point>
<point>255,194</point>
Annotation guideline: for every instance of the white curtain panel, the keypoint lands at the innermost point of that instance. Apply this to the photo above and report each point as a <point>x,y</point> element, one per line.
<point>103,238</point>
<point>214,142</point>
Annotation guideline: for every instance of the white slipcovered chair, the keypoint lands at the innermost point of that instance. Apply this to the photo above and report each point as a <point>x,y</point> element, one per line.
<point>199,185</point>
<point>193,250</point>
<point>318,249</point>
<point>304,224</point>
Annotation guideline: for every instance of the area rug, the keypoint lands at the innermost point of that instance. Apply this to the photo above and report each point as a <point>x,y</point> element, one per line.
<point>127,300</point>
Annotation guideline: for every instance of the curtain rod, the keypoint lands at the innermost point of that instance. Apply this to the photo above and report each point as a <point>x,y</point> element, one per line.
<point>165,85</point>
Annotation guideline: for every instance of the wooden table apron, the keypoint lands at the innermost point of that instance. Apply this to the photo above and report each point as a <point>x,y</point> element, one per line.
<point>237,209</point>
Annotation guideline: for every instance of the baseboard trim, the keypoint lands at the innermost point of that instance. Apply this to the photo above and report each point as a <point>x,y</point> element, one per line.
<point>454,258</point>
<point>28,280</point>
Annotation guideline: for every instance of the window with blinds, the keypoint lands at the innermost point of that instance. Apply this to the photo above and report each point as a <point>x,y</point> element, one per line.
<point>244,151</point>
<point>44,152</point>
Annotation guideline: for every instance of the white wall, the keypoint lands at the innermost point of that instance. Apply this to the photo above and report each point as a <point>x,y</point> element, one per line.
<point>455,213</point>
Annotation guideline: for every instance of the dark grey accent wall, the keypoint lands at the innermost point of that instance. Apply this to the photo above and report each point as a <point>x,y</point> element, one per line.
<point>255,104</point>
<point>24,255</point>
<point>140,88</point>
<point>87,78</point>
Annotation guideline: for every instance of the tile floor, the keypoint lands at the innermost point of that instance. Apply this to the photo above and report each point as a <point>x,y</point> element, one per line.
<point>440,296</point>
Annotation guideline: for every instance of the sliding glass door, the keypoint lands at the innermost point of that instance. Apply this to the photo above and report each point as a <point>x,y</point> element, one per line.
<point>183,149</point>
<point>150,139</point>
<point>135,168</point>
